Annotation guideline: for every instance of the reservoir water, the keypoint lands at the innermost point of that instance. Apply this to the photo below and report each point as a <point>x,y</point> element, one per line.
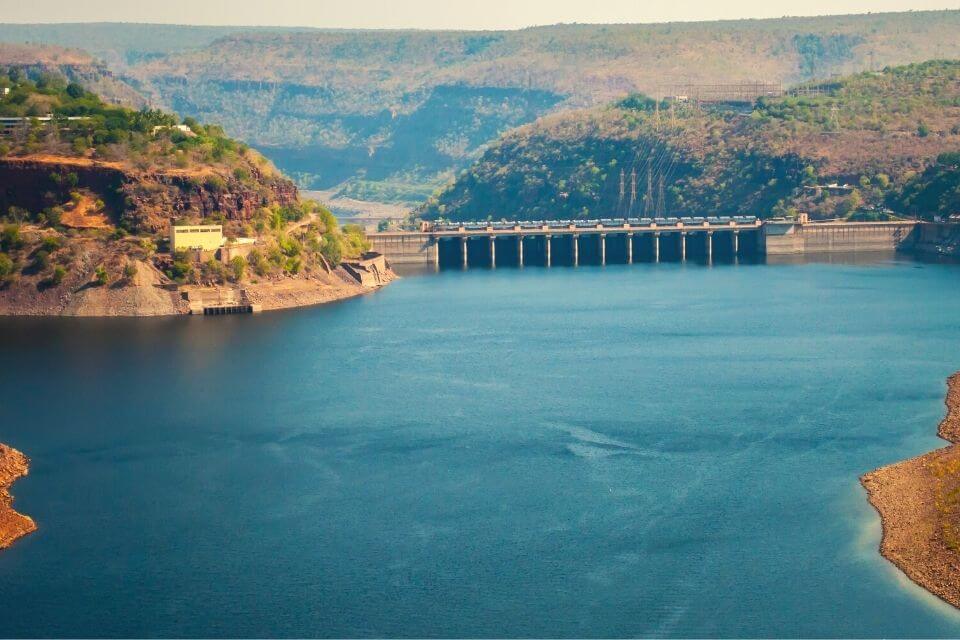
<point>652,450</point>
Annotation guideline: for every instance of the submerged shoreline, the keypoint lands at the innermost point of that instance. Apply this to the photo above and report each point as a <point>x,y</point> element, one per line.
<point>13,525</point>
<point>919,505</point>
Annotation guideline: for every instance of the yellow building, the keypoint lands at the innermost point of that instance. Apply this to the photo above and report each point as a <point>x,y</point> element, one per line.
<point>205,237</point>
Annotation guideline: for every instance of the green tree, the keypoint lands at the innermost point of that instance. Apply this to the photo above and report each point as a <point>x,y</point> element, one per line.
<point>332,250</point>
<point>239,266</point>
<point>100,275</point>
<point>850,204</point>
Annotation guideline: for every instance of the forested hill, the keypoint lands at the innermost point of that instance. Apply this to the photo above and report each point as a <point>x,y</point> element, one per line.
<point>390,115</point>
<point>890,135</point>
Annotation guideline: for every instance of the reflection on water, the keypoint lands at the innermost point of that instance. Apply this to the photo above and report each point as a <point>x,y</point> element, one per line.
<point>850,258</point>
<point>623,451</point>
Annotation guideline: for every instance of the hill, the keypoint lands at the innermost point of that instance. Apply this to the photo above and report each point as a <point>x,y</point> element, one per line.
<point>91,189</point>
<point>877,131</point>
<point>391,115</point>
<point>60,137</point>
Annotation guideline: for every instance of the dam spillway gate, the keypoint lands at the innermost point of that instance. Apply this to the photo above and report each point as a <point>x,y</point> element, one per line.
<point>550,244</point>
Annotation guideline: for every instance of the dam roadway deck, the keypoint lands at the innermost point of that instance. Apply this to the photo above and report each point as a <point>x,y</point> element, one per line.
<point>552,243</point>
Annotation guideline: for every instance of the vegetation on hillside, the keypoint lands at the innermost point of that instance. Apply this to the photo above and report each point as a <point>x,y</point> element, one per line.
<point>935,191</point>
<point>874,131</point>
<point>85,126</point>
<point>293,240</point>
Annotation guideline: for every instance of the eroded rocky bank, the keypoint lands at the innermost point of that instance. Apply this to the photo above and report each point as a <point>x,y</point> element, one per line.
<point>919,505</point>
<point>13,525</point>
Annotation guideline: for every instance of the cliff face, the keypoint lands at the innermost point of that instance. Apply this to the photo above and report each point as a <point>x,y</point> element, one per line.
<point>144,201</point>
<point>150,200</point>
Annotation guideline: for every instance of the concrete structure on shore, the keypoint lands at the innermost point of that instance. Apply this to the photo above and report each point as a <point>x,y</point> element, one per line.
<point>785,238</point>
<point>199,237</point>
<point>370,270</point>
<point>551,243</point>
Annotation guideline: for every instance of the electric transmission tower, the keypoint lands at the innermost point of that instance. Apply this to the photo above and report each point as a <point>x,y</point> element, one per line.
<point>660,203</point>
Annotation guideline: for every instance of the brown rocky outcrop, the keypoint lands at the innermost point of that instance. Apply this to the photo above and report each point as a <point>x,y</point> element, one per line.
<point>13,525</point>
<point>145,200</point>
<point>919,505</point>
<point>151,199</point>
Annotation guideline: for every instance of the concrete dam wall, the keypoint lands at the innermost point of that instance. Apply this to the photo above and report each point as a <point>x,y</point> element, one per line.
<point>674,240</point>
<point>787,238</point>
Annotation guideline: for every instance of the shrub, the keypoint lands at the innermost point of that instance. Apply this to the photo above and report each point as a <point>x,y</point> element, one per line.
<point>53,216</point>
<point>923,130</point>
<point>327,219</point>
<point>238,266</point>
<point>180,270</point>
<point>10,237</point>
<point>130,271</point>
<point>215,184</point>
<point>290,246</point>
<point>51,243</point>
<point>214,270</point>
<point>6,265</point>
<point>58,274</point>
<point>259,263</point>
<point>100,275</point>
<point>18,214</point>
<point>41,259</point>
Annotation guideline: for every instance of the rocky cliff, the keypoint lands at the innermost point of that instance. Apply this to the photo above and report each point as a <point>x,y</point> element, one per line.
<point>139,200</point>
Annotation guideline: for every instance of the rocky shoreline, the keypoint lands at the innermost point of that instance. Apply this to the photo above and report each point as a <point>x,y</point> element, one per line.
<point>13,525</point>
<point>919,505</point>
<point>148,293</point>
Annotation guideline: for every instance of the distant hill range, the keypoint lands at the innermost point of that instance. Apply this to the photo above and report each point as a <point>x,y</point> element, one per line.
<point>75,65</point>
<point>392,115</point>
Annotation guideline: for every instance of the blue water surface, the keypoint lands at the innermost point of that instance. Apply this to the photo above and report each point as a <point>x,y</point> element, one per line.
<point>646,450</point>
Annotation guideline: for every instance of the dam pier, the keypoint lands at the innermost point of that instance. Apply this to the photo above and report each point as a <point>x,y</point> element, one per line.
<point>607,241</point>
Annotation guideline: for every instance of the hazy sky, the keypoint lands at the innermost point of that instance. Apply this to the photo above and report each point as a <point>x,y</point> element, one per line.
<point>471,14</point>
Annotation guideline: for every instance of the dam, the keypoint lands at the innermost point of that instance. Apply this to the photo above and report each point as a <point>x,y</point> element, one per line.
<point>624,241</point>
